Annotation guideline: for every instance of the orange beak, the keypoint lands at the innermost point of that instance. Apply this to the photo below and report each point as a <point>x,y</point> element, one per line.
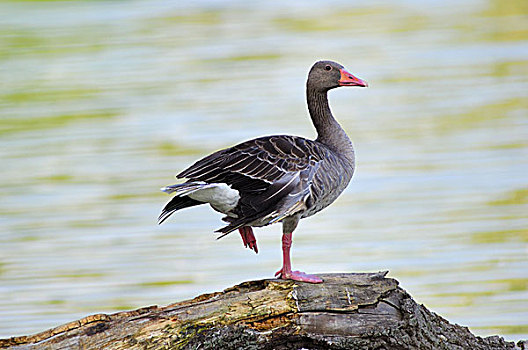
<point>348,79</point>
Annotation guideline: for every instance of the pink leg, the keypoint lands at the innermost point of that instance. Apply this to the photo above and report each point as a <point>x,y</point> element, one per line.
<point>248,238</point>
<point>286,272</point>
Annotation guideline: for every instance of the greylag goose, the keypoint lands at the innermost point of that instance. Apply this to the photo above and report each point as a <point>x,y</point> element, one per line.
<point>278,178</point>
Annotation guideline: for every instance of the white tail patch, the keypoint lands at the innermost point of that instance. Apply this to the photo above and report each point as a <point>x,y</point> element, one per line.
<point>219,195</point>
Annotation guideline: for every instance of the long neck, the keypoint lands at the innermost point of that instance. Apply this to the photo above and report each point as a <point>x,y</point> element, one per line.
<point>329,132</point>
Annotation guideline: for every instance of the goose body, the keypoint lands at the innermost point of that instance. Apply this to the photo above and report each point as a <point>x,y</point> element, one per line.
<point>278,178</point>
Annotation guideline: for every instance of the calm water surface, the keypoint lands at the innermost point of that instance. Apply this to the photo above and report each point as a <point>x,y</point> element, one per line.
<point>102,102</point>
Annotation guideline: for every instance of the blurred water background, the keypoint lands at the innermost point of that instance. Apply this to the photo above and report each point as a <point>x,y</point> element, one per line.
<point>102,102</point>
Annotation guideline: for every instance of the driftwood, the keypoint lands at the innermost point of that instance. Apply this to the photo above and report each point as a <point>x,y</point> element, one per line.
<point>347,311</point>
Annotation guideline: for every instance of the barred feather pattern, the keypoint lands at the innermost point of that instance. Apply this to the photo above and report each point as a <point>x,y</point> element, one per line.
<point>276,178</point>
<point>274,175</point>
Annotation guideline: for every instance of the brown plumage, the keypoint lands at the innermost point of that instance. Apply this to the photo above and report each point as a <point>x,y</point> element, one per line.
<point>275,178</point>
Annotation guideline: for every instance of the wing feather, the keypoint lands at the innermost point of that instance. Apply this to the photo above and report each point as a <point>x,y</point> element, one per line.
<point>264,171</point>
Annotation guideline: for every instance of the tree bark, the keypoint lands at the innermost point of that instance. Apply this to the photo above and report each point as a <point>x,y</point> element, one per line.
<point>347,311</point>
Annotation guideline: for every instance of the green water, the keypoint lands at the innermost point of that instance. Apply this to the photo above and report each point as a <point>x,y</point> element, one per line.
<point>102,102</point>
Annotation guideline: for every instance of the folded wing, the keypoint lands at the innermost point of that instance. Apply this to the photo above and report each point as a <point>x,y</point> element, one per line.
<point>270,173</point>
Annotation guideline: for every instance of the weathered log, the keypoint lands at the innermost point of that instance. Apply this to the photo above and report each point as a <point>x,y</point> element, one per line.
<point>347,311</point>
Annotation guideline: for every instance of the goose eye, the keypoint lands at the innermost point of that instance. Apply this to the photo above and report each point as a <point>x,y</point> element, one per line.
<point>328,68</point>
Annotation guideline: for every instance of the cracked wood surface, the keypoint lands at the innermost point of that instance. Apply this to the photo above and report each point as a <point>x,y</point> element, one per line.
<point>347,311</point>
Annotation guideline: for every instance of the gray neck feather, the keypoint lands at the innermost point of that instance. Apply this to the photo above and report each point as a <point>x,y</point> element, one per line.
<point>329,132</point>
